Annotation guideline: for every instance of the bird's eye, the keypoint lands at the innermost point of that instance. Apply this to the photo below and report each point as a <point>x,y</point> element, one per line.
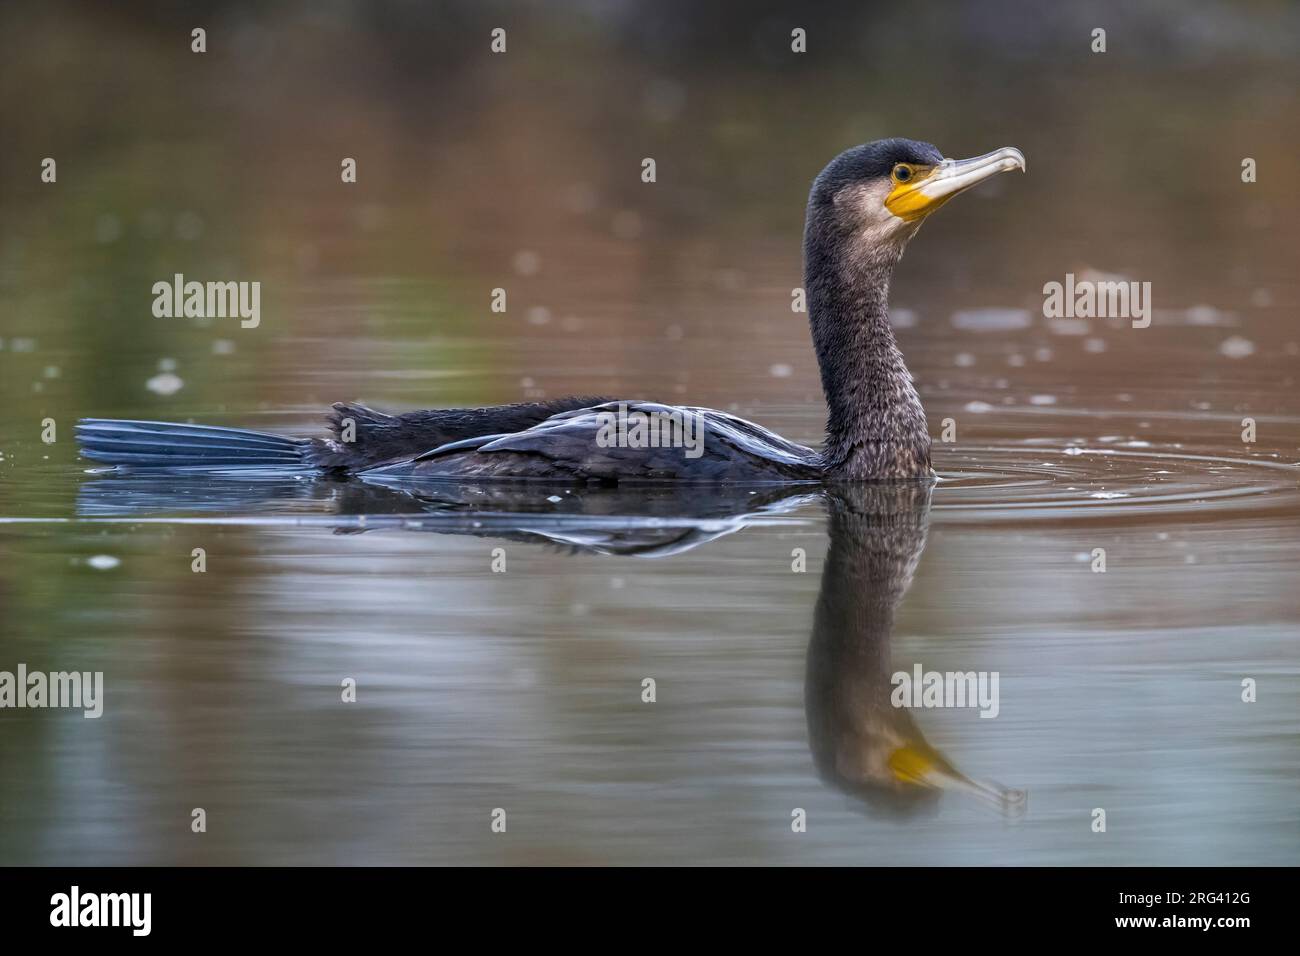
<point>902,173</point>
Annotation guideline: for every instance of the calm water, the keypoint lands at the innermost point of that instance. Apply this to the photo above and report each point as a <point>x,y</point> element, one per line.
<point>521,689</point>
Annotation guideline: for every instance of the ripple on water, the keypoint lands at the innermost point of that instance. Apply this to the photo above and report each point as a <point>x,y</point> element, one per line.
<point>1099,479</point>
<point>1023,482</point>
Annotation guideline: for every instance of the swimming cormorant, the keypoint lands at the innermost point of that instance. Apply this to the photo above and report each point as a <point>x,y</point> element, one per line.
<point>862,210</point>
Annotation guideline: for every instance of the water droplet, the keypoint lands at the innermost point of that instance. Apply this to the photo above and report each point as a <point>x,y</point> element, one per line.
<point>164,383</point>
<point>1069,326</point>
<point>1237,347</point>
<point>1207,315</point>
<point>991,320</point>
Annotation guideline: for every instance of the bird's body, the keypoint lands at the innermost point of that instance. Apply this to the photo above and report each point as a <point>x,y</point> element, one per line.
<point>362,438</point>
<point>862,210</point>
<point>559,441</point>
<point>569,445</point>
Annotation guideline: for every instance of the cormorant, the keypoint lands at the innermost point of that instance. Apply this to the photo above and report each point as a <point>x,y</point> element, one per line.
<point>862,210</point>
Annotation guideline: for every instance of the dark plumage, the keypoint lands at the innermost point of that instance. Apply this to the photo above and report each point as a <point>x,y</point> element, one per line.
<point>862,210</point>
<point>380,439</point>
<point>566,444</point>
<point>875,426</point>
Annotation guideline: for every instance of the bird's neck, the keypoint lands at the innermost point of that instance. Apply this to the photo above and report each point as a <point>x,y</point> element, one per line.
<point>876,427</point>
<point>877,534</point>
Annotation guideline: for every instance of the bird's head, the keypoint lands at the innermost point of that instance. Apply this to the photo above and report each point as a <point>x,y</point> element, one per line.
<point>876,196</point>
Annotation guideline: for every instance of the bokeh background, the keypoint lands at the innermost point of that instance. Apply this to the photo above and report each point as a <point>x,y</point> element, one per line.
<point>522,171</point>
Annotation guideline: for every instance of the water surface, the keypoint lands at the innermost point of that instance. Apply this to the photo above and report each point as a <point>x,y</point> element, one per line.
<point>522,688</point>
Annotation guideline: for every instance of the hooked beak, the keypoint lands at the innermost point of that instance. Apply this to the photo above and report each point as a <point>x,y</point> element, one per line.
<point>924,194</point>
<point>921,765</point>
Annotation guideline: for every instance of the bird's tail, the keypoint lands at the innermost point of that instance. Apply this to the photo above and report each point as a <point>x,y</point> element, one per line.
<point>171,445</point>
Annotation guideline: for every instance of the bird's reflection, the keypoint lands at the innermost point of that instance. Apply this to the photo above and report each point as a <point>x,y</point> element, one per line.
<point>646,521</point>
<point>861,743</point>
